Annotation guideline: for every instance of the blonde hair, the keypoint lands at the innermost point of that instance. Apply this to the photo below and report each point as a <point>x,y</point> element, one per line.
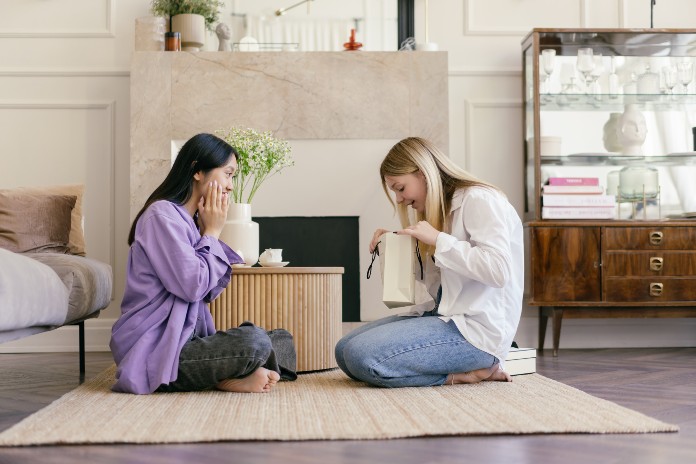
<point>442,179</point>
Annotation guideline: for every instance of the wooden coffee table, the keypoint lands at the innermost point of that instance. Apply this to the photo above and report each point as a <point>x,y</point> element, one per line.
<point>306,301</point>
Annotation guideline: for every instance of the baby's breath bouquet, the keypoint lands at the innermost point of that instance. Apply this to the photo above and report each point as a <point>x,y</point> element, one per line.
<point>260,156</point>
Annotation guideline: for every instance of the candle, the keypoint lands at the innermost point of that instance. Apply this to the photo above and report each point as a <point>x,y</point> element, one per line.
<point>612,183</point>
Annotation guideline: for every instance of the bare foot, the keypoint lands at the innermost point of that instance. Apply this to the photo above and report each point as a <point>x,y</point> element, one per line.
<point>492,374</point>
<point>259,381</point>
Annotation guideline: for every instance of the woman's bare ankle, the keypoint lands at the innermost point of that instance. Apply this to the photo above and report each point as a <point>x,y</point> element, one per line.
<point>493,373</point>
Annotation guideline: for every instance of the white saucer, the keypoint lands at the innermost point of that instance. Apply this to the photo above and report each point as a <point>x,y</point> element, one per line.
<point>280,264</point>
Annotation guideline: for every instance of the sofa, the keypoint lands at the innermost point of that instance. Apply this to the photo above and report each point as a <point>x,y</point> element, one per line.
<point>46,279</point>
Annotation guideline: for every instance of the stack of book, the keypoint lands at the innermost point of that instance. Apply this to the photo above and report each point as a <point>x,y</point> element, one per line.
<point>576,198</point>
<point>521,361</point>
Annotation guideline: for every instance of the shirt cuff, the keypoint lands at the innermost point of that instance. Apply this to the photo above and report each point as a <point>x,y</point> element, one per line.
<point>444,243</point>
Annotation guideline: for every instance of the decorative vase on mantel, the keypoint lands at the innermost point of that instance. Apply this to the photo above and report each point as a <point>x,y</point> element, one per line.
<point>241,233</point>
<point>192,29</point>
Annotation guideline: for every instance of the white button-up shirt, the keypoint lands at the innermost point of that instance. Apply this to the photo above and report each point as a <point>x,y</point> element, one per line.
<point>480,265</point>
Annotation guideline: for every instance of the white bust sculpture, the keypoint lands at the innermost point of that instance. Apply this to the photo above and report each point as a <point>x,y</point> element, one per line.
<point>632,130</point>
<point>223,33</point>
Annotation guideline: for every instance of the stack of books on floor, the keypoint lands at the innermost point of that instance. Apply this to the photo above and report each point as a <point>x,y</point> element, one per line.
<point>576,198</point>
<point>521,361</point>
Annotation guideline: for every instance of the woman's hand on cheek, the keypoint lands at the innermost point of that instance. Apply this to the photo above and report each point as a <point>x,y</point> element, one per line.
<point>423,231</point>
<point>212,211</point>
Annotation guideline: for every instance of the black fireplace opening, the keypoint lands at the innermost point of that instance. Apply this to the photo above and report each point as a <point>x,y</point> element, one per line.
<point>319,241</point>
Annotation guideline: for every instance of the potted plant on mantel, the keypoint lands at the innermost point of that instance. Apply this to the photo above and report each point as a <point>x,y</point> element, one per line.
<point>190,18</point>
<point>260,156</point>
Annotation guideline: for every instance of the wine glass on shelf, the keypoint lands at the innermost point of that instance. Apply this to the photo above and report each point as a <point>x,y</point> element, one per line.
<point>568,76</point>
<point>585,63</point>
<point>595,74</point>
<point>685,70</point>
<point>669,78</point>
<point>614,87</point>
<point>548,58</point>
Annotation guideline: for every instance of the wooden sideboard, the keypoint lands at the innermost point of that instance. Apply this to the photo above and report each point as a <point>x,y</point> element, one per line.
<point>306,301</point>
<point>612,269</point>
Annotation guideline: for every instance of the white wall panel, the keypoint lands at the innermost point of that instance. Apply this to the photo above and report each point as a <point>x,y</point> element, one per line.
<point>503,17</point>
<point>50,143</point>
<point>666,14</point>
<point>56,18</point>
<point>493,134</point>
<point>603,13</point>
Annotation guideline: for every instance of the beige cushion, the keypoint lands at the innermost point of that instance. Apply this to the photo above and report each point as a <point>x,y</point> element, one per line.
<point>77,236</point>
<point>35,222</point>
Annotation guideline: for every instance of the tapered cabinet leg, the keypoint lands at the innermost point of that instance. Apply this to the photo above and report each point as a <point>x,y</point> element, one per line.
<point>543,321</point>
<point>557,320</point>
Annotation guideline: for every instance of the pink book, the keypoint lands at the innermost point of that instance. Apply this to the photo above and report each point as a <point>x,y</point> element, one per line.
<point>573,189</point>
<point>573,180</point>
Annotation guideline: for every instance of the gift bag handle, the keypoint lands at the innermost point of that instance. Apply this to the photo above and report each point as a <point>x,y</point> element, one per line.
<point>375,253</point>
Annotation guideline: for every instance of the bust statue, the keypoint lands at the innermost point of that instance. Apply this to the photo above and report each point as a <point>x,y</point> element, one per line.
<point>223,33</point>
<point>611,133</point>
<point>632,130</point>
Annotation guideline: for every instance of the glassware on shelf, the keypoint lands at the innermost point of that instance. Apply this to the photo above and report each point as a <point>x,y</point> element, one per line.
<point>585,64</point>
<point>614,85</point>
<point>596,73</point>
<point>636,182</point>
<point>669,78</point>
<point>568,84</point>
<point>639,185</point>
<point>685,70</point>
<point>548,58</point>
<point>648,82</point>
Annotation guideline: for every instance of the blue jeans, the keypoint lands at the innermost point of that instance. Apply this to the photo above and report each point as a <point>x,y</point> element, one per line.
<point>404,351</point>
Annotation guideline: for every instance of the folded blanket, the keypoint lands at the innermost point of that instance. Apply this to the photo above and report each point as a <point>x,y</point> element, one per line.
<point>31,294</point>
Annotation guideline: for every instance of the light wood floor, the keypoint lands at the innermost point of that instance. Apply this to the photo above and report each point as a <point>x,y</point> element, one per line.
<point>657,382</point>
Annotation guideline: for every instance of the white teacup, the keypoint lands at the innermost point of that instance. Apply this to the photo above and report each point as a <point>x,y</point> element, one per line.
<point>271,255</point>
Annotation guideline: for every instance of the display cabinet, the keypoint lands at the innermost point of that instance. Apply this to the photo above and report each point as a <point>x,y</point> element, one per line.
<point>610,113</point>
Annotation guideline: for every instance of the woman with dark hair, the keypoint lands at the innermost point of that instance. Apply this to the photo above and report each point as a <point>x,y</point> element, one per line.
<point>165,339</point>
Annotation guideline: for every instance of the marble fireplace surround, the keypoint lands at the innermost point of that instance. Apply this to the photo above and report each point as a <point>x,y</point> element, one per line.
<point>340,111</point>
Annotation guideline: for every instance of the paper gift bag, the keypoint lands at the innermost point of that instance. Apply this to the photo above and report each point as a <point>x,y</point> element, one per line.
<point>396,259</point>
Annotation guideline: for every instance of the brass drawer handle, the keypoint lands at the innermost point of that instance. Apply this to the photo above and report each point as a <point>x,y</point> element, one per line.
<point>656,263</point>
<point>656,289</point>
<point>655,238</point>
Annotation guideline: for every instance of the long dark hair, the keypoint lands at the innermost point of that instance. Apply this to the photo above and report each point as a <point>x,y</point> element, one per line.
<point>202,152</point>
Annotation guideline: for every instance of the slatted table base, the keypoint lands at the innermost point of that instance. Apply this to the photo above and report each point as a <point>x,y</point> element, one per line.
<point>306,301</point>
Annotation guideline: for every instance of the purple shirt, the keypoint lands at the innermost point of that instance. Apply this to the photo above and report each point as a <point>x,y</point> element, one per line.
<point>171,273</point>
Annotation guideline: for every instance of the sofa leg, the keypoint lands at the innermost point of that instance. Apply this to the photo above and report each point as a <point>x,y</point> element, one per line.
<point>81,327</point>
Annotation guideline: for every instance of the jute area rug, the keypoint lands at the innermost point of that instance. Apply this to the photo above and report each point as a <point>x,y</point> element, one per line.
<point>324,406</point>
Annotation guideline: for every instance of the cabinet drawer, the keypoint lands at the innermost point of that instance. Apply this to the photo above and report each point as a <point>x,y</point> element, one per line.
<point>649,289</point>
<point>649,263</point>
<point>649,238</point>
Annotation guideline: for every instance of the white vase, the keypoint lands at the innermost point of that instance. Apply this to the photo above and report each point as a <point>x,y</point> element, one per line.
<point>632,130</point>
<point>241,233</point>
<point>192,29</point>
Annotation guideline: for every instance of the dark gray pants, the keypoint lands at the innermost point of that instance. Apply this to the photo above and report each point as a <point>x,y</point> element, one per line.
<point>232,354</point>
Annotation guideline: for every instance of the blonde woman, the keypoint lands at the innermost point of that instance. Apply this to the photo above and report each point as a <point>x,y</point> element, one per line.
<point>470,241</point>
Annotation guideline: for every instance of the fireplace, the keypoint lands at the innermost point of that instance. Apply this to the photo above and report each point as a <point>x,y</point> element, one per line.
<point>319,242</point>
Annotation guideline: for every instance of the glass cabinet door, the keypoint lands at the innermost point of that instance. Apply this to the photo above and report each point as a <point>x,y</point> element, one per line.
<point>597,102</point>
